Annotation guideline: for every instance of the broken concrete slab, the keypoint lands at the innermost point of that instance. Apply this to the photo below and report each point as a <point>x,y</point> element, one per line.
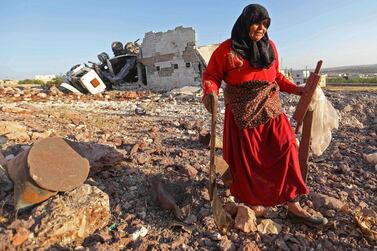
<point>54,165</point>
<point>100,157</point>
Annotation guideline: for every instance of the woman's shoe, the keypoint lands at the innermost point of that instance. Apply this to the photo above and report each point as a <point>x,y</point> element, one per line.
<point>311,221</point>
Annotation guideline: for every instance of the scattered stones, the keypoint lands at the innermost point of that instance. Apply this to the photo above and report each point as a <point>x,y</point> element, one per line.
<point>168,133</point>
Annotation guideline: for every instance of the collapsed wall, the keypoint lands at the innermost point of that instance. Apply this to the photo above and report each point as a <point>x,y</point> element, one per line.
<point>170,58</point>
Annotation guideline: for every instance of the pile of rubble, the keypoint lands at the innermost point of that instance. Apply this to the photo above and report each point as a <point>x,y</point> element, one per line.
<point>148,175</point>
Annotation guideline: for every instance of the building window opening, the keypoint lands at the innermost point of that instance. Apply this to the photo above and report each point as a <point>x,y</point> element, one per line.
<point>188,65</point>
<point>175,66</point>
<point>157,68</point>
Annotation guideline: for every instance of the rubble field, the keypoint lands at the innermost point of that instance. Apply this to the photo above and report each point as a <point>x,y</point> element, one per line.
<point>161,137</point>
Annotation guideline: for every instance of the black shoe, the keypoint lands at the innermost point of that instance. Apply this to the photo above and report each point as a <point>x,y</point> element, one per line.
<point>311,221</point>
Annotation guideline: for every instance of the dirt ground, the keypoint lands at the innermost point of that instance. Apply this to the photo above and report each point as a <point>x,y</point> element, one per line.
<point>166,126</point>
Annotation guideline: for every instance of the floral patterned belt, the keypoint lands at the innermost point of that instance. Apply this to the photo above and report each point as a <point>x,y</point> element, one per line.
<point>253,103</point>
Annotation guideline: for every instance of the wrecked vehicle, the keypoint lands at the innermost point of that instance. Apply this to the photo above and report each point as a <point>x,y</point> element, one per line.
<point>98,77</point>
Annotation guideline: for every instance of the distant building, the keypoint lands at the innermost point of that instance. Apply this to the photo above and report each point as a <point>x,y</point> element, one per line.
<point>301,76</point>
<point>44,78</point>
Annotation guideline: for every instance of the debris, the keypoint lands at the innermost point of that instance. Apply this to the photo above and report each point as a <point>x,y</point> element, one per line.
<point>163,198</point>
<point>245,219</point>
<point>20,237</point>
<point>227,245</point>
<point>142,232</point>
<point>368,226</point>
<point>371,158</point>
<point>268,226</point>
<point>185,227</point>
<point>113,226</point>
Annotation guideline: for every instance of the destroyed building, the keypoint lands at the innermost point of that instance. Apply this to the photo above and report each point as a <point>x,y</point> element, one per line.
<point>171,59</point>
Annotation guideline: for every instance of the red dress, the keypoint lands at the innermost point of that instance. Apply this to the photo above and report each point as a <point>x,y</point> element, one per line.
<point>263,160</point>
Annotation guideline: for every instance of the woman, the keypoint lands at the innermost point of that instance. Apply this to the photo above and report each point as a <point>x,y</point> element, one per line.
<point>259,144</point>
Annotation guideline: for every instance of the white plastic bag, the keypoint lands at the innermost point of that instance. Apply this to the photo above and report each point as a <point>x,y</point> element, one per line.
<point>325,118</point>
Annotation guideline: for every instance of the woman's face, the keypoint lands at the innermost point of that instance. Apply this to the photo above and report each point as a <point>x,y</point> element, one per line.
<point>258,30</point>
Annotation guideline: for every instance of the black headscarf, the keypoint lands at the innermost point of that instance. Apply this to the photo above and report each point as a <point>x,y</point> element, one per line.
<point>259,54</point>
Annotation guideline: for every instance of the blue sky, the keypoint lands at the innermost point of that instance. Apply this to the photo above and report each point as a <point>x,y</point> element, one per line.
<point>50,36</point>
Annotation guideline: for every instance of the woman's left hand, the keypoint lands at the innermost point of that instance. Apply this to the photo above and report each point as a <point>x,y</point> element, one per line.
<point>299,90</point>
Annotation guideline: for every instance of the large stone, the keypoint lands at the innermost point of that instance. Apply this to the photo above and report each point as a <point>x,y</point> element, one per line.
<point>100,157</point>
<point>54,165</point>
<point>322,200</point>
<point>71,217</point>
<point>245,219</point>
<point>227,245</point>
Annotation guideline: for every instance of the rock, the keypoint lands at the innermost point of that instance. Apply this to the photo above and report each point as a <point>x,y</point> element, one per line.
<point>14,131</point>
<point>321,200</point>
<point>143,158</point>
<point>371,158</point>
<point>40,135</point>
<point>268,226</point>
<point>71,217</point>
<point>352,122</point>
<point>245,219</point>
<point>190,219</point>
<point>227,245</point>
<point>20,237</point>
<point>100,157</point>
<point>142,232</point>
<point>190,170</point>
<point>347,108</point>
<point>231,208</point>
<point>248,246</point>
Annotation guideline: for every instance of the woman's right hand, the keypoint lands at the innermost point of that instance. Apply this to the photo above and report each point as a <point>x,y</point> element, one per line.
<point>207,101</point>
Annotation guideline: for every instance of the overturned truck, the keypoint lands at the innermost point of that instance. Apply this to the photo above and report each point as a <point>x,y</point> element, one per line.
<point>164,60</point>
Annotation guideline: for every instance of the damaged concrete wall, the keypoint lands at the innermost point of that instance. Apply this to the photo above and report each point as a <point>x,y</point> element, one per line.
<point>170,58</point>
<point>205,52</point>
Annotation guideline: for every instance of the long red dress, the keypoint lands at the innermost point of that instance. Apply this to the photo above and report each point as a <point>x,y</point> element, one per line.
<point>263,160</point>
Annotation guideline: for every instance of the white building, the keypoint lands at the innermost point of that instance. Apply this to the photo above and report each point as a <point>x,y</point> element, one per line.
<point>44,78</point>
<point>171,59</point>
<point>301,76</point>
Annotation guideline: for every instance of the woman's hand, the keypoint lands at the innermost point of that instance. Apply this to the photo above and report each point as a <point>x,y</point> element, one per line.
<point>207,101</point>
<point>299,90</point>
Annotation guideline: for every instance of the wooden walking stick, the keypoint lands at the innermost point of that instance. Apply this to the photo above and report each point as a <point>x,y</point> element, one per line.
<point>217,207</point>
<point>304,119</point>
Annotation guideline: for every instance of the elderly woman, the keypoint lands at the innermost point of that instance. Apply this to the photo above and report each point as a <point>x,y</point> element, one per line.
<point>259,144</point>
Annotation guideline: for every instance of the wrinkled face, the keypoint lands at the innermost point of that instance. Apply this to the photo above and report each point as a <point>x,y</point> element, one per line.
<point>258,30</point>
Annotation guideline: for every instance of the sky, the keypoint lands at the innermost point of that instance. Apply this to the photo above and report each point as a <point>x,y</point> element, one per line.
<point>50,36</point>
